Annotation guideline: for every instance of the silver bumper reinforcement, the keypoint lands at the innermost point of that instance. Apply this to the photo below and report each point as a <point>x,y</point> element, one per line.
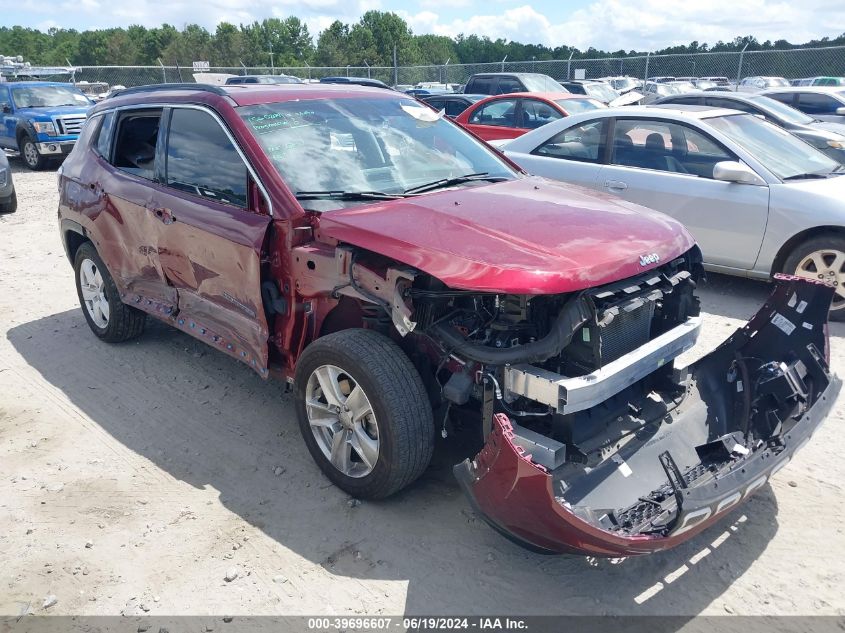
<point>568,395</point>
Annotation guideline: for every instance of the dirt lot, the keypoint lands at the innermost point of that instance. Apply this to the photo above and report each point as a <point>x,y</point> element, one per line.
<point>133,477</point>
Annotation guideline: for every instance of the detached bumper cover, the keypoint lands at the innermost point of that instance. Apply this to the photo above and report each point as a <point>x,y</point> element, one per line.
<point>516,496</point>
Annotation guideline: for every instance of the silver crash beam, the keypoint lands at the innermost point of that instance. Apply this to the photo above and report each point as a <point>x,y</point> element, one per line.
<point>568,395</point>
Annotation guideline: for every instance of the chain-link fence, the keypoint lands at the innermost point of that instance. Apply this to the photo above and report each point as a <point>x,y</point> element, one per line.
<point>791,63</point>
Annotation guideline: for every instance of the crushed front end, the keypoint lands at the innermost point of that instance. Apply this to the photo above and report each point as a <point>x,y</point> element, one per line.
<point>595,443</point>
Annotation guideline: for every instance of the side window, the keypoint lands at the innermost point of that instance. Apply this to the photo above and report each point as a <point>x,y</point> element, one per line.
<point>508,85</point>
<point>783,97</point>
<point>536,114</point>
<point>135,144</point>
<point>685,101</point>
<point>103,146</point>
<point>813,103</point>
<point>665,146</point>
<point>454,108</point>
<point>718,102</point>
<point>5,99</point>
<point>201,159</point>
<point>500,113</point>
<point>482,85</point>
<point>582,143</point>
<point>437,104</point>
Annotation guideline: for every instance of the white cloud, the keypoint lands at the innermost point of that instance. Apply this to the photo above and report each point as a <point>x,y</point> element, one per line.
<point>649,24</point>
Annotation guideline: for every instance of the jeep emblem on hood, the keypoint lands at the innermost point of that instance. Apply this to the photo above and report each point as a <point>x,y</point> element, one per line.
<point>650,258</point>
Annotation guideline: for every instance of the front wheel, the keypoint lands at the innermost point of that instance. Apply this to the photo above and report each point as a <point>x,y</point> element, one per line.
<point>363,412</point>
<point>108,317</point>
<point>29,152</point>
<point>822,259</point>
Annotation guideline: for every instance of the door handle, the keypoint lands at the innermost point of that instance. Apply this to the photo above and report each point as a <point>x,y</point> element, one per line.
<point>618,185</point>
<point>164,215</point>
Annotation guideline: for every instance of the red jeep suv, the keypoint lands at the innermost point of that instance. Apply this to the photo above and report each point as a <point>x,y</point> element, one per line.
<point>409,281</point>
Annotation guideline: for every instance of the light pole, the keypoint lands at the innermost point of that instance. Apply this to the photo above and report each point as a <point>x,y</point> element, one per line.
<point>532,63</point>
<point>272,65</point>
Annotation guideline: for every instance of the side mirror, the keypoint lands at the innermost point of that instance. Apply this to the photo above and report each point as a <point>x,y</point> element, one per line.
<point>734,171</point>
<point>840,111</point>
<point>7,108</point>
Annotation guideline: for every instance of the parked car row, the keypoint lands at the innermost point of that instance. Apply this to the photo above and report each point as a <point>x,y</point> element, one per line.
<point>408,280</point>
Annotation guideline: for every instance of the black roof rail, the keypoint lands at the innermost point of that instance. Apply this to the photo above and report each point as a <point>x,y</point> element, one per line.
<point>174,86</point>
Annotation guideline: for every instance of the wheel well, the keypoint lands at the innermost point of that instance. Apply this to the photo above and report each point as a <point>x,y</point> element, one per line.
<point>803,236</point>
<point>74,240</point>
<point>345,315</point>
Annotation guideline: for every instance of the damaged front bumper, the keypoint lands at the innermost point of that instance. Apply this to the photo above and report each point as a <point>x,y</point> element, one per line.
<point>683,474</point>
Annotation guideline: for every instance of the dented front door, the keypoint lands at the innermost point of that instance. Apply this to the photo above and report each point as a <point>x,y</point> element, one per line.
<point>210,238</point>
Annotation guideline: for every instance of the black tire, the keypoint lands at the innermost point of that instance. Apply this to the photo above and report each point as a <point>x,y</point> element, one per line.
<point>816,244</point>
<point>124,322</point>
<point>398,399</point>
<point>30,157</point>
<point>11,206</point>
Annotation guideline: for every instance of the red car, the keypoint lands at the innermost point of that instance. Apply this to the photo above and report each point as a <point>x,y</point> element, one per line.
<point>511,115</point>
<point>408,281</point>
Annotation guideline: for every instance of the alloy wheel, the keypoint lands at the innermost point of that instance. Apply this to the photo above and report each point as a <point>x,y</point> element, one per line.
<point>342,420</point>
<point>93,291</point>
<point>30,153</point>
<point>826,265</point>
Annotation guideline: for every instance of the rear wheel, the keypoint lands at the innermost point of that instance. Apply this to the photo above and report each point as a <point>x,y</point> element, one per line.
<point>29,152</point>
<point>822,259</point>
<point>364,413</point>
<point>108,317</point>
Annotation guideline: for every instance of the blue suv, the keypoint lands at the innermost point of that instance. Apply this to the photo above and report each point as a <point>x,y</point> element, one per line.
<point>41,119</point>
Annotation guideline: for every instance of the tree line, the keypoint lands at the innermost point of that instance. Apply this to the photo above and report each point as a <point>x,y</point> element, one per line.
<point>288,42</point>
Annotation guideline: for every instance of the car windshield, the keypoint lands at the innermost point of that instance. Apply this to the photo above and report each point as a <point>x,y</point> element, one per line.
<point>48,97</point>
<point>575,106</point>
<point>541,83</point>
<point>666,89</point>
<point>623,84</point>
<point>365,145</point>
<point>782,111</point>
<point>602,92</point>
<point>785,155</point>
<point>775,82</point>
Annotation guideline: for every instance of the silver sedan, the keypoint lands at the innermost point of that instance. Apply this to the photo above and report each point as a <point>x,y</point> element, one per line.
<point>758,200</point>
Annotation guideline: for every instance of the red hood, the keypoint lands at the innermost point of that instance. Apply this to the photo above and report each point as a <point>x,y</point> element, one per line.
<point>526,236</point>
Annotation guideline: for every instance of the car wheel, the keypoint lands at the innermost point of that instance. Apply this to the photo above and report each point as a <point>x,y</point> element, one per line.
<point>363,412</point>
<point>108,317</point>
<point>11,206</point>
<point>822,259</point>
<point>30,155</point>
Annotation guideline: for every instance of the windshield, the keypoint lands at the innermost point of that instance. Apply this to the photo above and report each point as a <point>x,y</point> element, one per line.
<point>665,89</point>
<point>366,144</point>
<point>575,106</point>
<point>780,152</point>
<point>48,97</point>
<point>602,92</point>
<point>541,83</point>
<point>683,86</point>
<point>623,84</point>
<point>782,111</point>
<point>775,82</point>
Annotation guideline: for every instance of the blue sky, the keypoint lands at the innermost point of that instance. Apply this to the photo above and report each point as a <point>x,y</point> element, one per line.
<point>604,24</point>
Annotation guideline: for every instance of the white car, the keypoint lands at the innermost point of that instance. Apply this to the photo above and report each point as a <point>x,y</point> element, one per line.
<point>757,199</point>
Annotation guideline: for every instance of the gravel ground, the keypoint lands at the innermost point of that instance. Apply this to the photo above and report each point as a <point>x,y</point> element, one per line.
<point>162,477</point>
